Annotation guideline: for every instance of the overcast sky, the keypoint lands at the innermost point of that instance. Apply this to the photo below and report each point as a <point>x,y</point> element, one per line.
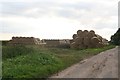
<point>57,19</point>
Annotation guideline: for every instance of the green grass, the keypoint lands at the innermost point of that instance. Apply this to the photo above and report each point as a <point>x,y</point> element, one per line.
<point>71,56</point>
<point>33,65</point>
<point>36,62</point>
<point>13,51</point>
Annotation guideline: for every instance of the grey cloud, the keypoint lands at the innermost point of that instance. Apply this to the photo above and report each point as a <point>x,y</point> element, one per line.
<point>60,9</point>
<point>19,8</point>
<point>66,10</point>
<point>91,10</point>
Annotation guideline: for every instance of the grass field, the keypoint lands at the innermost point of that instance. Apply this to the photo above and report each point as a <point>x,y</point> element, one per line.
<point>36,62</point>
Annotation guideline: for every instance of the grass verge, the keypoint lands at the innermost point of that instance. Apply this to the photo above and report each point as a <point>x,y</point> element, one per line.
<point>42,62</point>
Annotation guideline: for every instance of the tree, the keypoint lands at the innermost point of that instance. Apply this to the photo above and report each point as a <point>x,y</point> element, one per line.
<point>115,39</point>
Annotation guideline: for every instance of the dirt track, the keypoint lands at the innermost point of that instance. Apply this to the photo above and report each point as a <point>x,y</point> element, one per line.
<point>103,65</point>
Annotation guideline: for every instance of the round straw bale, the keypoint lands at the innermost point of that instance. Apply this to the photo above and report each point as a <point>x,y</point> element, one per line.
<point>81,47</point>
<point>13,37</point>
<point>74,36</point>
<point>99,45</point>
<point>90,35</point>
<point>80,33</point>
<point>78,40</point>
<point>86,41</point>
<point>74,45</point>
<point>85,33</point>
<point>71,41</point>
<point>91,46</point>
<point>96,35</point>
<point>105,41</point>
<point>99,37</point>
<point>95,41</point>
<point>92,31</point>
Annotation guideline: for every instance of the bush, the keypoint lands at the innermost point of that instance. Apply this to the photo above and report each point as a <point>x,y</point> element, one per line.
<point>115,39</point>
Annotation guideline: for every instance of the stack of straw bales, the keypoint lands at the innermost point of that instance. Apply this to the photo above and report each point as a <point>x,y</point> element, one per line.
<point>86,39</point>
<point>24,41</point>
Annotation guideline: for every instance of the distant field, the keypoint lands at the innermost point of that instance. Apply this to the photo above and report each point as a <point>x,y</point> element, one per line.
<point>37,62</point>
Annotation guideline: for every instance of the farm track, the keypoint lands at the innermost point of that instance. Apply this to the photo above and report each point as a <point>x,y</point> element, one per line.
<point>103,65</point>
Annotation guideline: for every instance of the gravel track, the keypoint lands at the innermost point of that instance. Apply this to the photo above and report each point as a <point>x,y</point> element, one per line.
<point>103,65</point>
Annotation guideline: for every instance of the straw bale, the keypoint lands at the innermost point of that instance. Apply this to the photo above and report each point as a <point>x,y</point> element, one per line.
<point>95,41</point>
<point>91,46</point>
<point>105,41</point>
<point>74,40</point>
<point>85,33</point>
<point>86,41</point>
<point>74,45</point>
<point>99,37</point>
<point>74,36</point>
<point>71,41</point>
<point>81,47</point>
<point>81,35</point>
<point>91,34</point>
<point>100,45</point>
<point>78,40</point>
<point>92,31</point>
<point>79,32</point>
<point>13,37</point>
